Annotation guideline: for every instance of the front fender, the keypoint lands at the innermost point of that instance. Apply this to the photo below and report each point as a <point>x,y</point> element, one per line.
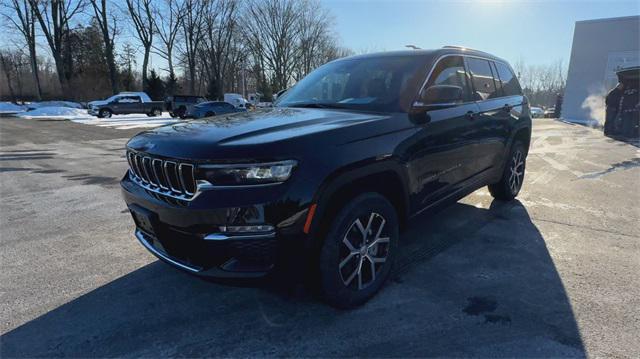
<point>351,173</point>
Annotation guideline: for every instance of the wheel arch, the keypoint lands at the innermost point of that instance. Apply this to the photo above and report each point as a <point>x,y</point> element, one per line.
<point>522,133</point>
<point>386,178</point>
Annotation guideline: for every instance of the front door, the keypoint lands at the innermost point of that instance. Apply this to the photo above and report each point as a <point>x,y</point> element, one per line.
<point>440,161</point>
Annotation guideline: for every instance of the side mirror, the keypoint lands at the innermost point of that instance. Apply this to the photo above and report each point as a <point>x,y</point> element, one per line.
<point>442,95</point>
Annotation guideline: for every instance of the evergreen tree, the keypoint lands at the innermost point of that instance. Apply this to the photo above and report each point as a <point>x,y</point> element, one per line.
<point>171,85</point>
<point>155,87</point>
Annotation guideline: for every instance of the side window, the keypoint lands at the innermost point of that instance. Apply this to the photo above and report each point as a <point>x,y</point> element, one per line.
<point>129,99</point>
<point>482,78</point>
<point>510,85</point>
<point>448,74</point>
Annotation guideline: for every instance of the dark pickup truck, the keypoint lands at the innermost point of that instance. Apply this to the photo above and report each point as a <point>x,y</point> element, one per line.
<point>182,105</point>
<point>126,103</point>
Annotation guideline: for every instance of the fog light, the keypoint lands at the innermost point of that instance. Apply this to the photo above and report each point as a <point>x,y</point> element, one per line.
<point>246,229</point>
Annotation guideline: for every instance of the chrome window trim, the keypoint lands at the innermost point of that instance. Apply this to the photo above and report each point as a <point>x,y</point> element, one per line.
<point>418,103</point>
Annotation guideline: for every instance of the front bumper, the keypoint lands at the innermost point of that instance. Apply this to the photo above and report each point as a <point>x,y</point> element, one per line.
<point>186,234</point>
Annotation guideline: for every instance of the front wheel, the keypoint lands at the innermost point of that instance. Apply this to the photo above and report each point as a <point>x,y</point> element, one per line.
<point>358,251</point>
<point>105,113</point>
<point>513,175</point>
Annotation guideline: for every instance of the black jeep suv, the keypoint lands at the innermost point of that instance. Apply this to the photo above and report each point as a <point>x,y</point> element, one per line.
<point>323,182</point>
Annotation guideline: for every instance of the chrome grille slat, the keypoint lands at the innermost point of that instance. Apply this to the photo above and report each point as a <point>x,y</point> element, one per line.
<point>146,166</point>
<point>159,176</point>
<point>140,169</point>
<point>170,178</point>
<point>182,169</point>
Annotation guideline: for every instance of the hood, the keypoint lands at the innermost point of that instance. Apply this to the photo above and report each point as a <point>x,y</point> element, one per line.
<point>249,134</point>
<point>97,103</point>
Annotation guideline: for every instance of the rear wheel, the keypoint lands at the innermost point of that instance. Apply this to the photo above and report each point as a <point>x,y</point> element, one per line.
<point>358,251</point>
<point>513,176</point>
<point>181,112</point>
<point>105,113</point>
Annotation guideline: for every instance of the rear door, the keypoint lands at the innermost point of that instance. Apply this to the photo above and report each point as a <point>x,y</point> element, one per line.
<point>512,102</point>
<point>439,164</point>
<point>487,130</point>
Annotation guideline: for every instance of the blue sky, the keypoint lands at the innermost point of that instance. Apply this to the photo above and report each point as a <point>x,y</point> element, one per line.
<point>538,32</point>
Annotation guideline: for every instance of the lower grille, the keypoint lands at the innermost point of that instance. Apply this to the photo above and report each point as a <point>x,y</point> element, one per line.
<point>171,178</point>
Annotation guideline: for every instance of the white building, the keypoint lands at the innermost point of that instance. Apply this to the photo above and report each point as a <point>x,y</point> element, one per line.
<point>600,47</point>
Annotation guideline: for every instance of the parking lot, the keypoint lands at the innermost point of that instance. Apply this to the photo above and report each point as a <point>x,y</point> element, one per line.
<point>552,274</point>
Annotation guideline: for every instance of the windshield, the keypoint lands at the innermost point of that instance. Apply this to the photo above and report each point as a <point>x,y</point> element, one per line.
<point>374,84</point>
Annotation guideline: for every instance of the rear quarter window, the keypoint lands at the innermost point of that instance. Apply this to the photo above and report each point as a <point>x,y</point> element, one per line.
<point>508,81</point>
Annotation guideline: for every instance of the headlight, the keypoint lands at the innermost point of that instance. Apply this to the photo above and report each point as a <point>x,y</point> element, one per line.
<point>247,174</point>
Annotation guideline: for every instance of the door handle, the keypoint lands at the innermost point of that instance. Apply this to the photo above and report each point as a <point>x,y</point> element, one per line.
<point>471,115</point>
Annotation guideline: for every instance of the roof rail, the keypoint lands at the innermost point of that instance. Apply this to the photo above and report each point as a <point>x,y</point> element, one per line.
<point>462,48</point>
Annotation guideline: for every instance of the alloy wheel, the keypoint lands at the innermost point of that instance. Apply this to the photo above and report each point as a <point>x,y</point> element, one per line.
<point>516,172</point>
<point>364,251</point>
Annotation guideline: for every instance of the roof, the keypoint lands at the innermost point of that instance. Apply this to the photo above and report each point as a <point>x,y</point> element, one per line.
<point>429,53</point>
<point>628,69</point>
<point>609,19</point>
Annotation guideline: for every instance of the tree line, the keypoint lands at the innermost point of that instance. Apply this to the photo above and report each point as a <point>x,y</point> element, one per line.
<point>542,83</point>
<point>87,49</point>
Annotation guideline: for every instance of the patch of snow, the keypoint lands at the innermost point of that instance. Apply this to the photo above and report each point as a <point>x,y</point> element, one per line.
<point>35,105</point>
<point>10,108</point>
<point>121,122</point>
<point>126,122</point>
<point>55,112</point>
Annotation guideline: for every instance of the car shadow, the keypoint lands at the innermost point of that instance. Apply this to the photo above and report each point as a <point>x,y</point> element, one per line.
<point>468,282</point>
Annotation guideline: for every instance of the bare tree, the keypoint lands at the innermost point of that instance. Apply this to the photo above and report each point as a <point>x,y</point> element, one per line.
<point>6,65</point>
<point>272,30</point>
<point>109,29</point>
<point>22,18</point>
<point>168,24</point>
<point>141,14</point>
<point>316,45</point>
<point>192,29</point>
<point>54,17</point>
<point>221,29</point>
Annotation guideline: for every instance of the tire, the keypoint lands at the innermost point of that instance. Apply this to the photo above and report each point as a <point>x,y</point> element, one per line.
<point>513,175</point>
<point>345,263</point>
<point>105,113</point>
<point>181,112</point>
<point>154,113</point>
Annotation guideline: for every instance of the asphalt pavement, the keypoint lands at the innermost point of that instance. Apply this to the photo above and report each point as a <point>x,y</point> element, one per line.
<point>553,274</point>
